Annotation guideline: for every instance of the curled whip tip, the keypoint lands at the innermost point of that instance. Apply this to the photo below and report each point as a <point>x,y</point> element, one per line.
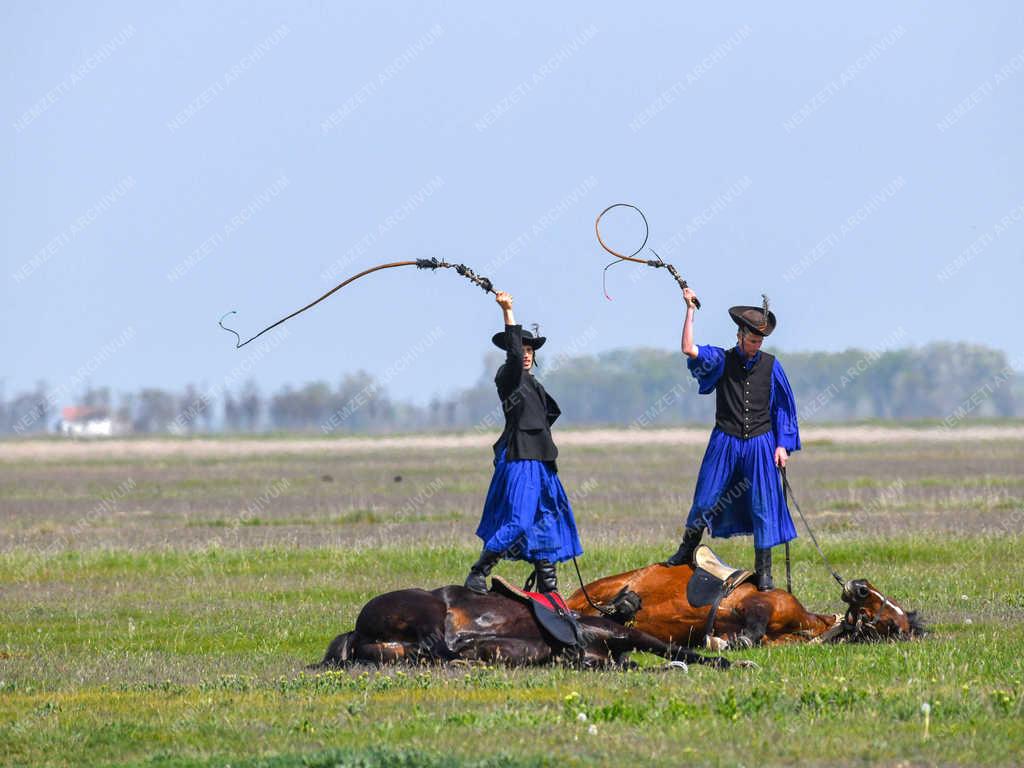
<point>238,339</point>
<point>604,278</point>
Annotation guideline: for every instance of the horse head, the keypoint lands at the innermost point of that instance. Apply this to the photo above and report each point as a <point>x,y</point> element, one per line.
<point>873,616</point>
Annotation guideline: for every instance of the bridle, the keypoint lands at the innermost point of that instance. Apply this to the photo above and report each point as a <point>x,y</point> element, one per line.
<point>858,624</point>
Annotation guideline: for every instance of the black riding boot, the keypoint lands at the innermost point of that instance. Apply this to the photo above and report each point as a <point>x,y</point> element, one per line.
<point>763,567</point>
<point>684,555</point>
<point>477,579</point>
<point>547,576</point>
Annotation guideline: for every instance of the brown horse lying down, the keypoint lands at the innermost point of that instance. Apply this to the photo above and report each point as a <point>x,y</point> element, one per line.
<point>746,617</point>
<point>452,623</point>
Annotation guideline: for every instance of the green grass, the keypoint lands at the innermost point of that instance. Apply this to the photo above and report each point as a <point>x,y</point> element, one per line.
<point>174,627</point>
<point>177,658</point>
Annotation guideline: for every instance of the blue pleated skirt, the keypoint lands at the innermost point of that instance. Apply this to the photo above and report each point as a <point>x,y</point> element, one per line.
<point>527,515</point>
<point>739,492</point>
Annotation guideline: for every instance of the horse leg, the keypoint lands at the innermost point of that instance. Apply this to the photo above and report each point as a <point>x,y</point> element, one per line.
<point>594,658</point>
<point>787,639</point>
<point>619,641</point>
<point>387,652</point>
<point>350,648</point>
<point>512,651</point>
<point>754,629</point>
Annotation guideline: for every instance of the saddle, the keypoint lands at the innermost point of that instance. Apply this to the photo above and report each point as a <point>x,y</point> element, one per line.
<point>711,582</point>
<point>553,616</point>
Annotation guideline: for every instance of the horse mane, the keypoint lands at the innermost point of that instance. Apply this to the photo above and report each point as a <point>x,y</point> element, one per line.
<point>918,627</point>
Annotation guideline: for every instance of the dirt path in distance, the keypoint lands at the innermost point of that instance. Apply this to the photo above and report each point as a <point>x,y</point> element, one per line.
<point>56,450</point>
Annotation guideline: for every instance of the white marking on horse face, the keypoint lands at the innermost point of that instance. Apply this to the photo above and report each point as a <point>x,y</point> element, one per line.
<point>886,601</point>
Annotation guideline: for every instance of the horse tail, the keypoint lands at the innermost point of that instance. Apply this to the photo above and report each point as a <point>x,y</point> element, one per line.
<point>339,653</point>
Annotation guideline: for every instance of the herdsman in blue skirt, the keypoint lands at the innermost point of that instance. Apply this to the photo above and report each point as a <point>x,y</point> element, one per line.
<point>527,515</point>
<point>738,489</point>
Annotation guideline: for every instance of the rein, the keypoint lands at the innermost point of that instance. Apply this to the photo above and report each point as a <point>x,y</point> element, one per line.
<point>431,264</point>
<point>788,490</point>
<point>583,588</point>
<point>849,622</point>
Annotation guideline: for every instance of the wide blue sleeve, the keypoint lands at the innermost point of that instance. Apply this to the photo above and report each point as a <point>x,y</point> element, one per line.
<point>707,367</point>
<point>784,423</point>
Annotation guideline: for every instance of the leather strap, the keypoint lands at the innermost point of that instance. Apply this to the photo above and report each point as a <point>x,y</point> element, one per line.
<point>727,587</point>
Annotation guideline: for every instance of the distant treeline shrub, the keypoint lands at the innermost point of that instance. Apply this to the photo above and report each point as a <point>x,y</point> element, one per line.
<point>627,387</point>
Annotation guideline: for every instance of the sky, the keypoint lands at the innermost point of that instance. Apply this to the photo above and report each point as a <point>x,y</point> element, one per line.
<point>167,163</point>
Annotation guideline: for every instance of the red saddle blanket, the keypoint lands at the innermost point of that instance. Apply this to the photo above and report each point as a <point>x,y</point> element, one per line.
<point>549,609</point>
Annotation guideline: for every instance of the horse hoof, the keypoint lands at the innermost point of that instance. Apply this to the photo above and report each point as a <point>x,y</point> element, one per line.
<point>682,665</point>
<point>747,664</point>
<point>718,644</point>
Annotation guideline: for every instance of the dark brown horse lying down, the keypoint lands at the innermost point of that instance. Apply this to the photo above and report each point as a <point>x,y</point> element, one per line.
<point>452,623</point>
<point>746,616</point>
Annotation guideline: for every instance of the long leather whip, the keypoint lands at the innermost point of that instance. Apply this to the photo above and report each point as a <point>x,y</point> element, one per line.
<point>655,262</point>
<point>431,264</point>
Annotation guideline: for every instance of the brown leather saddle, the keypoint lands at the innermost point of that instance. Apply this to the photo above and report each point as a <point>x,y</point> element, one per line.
<point>712,581</point>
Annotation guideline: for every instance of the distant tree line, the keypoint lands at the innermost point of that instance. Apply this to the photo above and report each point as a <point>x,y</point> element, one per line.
<point>633,387</point>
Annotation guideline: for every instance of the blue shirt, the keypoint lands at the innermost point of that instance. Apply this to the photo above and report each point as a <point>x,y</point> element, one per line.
<point>707,368</point>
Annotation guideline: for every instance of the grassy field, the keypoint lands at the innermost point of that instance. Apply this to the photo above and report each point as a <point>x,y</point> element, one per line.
<point>161,611</point>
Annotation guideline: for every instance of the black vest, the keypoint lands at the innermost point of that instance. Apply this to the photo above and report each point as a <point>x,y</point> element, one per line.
<point>529,410</point>
<point>529,413</point>
<point>744,397</point>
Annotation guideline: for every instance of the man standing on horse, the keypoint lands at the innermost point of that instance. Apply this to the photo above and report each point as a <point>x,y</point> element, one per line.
<point>738,490</point>
<point>527,514</point>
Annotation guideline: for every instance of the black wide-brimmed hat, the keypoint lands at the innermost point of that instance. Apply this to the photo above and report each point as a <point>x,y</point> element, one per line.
<point>753,319</point>
<point>529,340</point>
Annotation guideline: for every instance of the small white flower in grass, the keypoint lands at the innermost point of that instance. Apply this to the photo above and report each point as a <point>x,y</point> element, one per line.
<point>964,597</point>
<point>592,730</point>
<point>582,717</point>
<point>926,710</point>
<point>968,621</point>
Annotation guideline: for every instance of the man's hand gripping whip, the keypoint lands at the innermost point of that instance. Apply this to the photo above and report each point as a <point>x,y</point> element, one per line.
<point>655,262</point>
<point>431,264</point>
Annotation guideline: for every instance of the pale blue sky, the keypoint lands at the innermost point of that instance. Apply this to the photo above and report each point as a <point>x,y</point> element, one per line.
<point>507,122</point>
